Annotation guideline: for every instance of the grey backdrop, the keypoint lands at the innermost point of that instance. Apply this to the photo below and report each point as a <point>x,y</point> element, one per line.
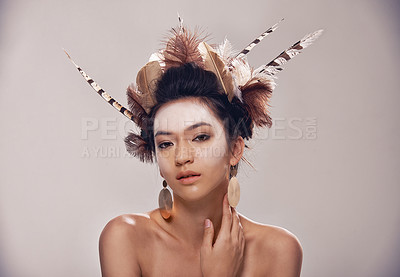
<point>328,171</point>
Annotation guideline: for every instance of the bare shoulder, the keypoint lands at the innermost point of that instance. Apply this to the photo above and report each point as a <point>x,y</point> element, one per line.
<point>120,242</point>
<point>125,225</point>
<point>281,249</point>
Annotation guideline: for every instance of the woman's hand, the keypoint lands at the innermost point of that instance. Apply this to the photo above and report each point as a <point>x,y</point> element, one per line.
<point>225,257</point>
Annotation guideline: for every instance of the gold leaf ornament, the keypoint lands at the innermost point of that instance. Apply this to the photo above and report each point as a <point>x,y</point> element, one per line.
<point>213,63</point>
<point>146,81</point>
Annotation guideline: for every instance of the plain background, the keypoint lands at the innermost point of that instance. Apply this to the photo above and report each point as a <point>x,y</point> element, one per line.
<point>337,191</point>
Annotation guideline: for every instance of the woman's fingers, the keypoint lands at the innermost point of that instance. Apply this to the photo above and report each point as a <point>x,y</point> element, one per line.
<point>235,231</point>
<point>226,217</point>
<point>225,257</point>
<point>208,234</point>
<point>231,226</point>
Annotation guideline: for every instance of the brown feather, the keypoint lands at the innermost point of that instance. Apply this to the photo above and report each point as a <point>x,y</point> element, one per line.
<point>136,108</point>
<point>182,47</point>
<point>256,94</point>
<point>138,147</point>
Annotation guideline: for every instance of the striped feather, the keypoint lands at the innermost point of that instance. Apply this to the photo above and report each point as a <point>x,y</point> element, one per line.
<point>103,94</point>
<point>248,48</point>
<point>276,64</point>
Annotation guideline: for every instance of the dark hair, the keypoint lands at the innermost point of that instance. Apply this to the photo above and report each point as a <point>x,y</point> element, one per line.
<point>190,80</point>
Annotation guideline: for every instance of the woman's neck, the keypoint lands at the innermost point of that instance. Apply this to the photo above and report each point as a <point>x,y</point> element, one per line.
<point>187,222</point>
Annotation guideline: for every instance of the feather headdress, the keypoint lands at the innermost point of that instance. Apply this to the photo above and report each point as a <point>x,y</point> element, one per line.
<point>251,88</point>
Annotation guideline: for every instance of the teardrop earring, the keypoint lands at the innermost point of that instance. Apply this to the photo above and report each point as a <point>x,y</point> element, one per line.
<point>165,201</point>
<point>233,187</point>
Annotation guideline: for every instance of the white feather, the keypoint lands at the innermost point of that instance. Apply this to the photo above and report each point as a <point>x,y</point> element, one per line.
<point>241,70</point>
<point>225,51</point>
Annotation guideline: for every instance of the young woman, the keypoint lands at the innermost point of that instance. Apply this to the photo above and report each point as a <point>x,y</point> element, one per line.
<point>195,106</point>
<point>196,134</point>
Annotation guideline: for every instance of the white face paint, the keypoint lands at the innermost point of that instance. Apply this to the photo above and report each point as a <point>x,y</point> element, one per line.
<point>188,137</point>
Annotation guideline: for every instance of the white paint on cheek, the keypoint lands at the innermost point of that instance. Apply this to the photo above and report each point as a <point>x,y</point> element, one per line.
<point>211,158</point>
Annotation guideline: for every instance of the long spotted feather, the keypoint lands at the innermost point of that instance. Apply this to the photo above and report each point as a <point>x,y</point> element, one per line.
<point>103,94</point>
<point>276,64</point>
<point>248,48</point>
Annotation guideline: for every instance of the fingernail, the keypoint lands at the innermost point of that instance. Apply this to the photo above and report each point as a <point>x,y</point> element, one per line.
<point>207,223</point>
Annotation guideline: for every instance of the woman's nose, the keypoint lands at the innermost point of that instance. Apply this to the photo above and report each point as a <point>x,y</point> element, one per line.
<point>183,155</point>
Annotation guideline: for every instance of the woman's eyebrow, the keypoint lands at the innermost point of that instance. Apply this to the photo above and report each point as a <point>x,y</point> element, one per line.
<point>189,128</point>
<point>159,133</point>
<point>197,125</point>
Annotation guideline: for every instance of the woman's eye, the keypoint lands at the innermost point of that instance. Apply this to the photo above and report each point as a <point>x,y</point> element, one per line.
<point>202,137</point>
<point>164,145</point>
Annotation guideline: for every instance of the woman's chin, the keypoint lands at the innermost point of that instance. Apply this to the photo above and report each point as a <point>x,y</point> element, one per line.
<point>190,194</point>
<point>193,193</point>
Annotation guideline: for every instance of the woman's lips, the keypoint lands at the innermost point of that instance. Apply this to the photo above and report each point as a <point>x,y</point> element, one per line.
<point>189,180</point>
<point>188,177</point>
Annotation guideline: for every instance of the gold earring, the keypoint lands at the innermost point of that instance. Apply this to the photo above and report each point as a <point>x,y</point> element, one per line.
<point>233,187</point>
<point>165,201</point>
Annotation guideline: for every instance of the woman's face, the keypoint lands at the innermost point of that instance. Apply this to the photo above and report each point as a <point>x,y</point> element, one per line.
<point>191,148</point>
